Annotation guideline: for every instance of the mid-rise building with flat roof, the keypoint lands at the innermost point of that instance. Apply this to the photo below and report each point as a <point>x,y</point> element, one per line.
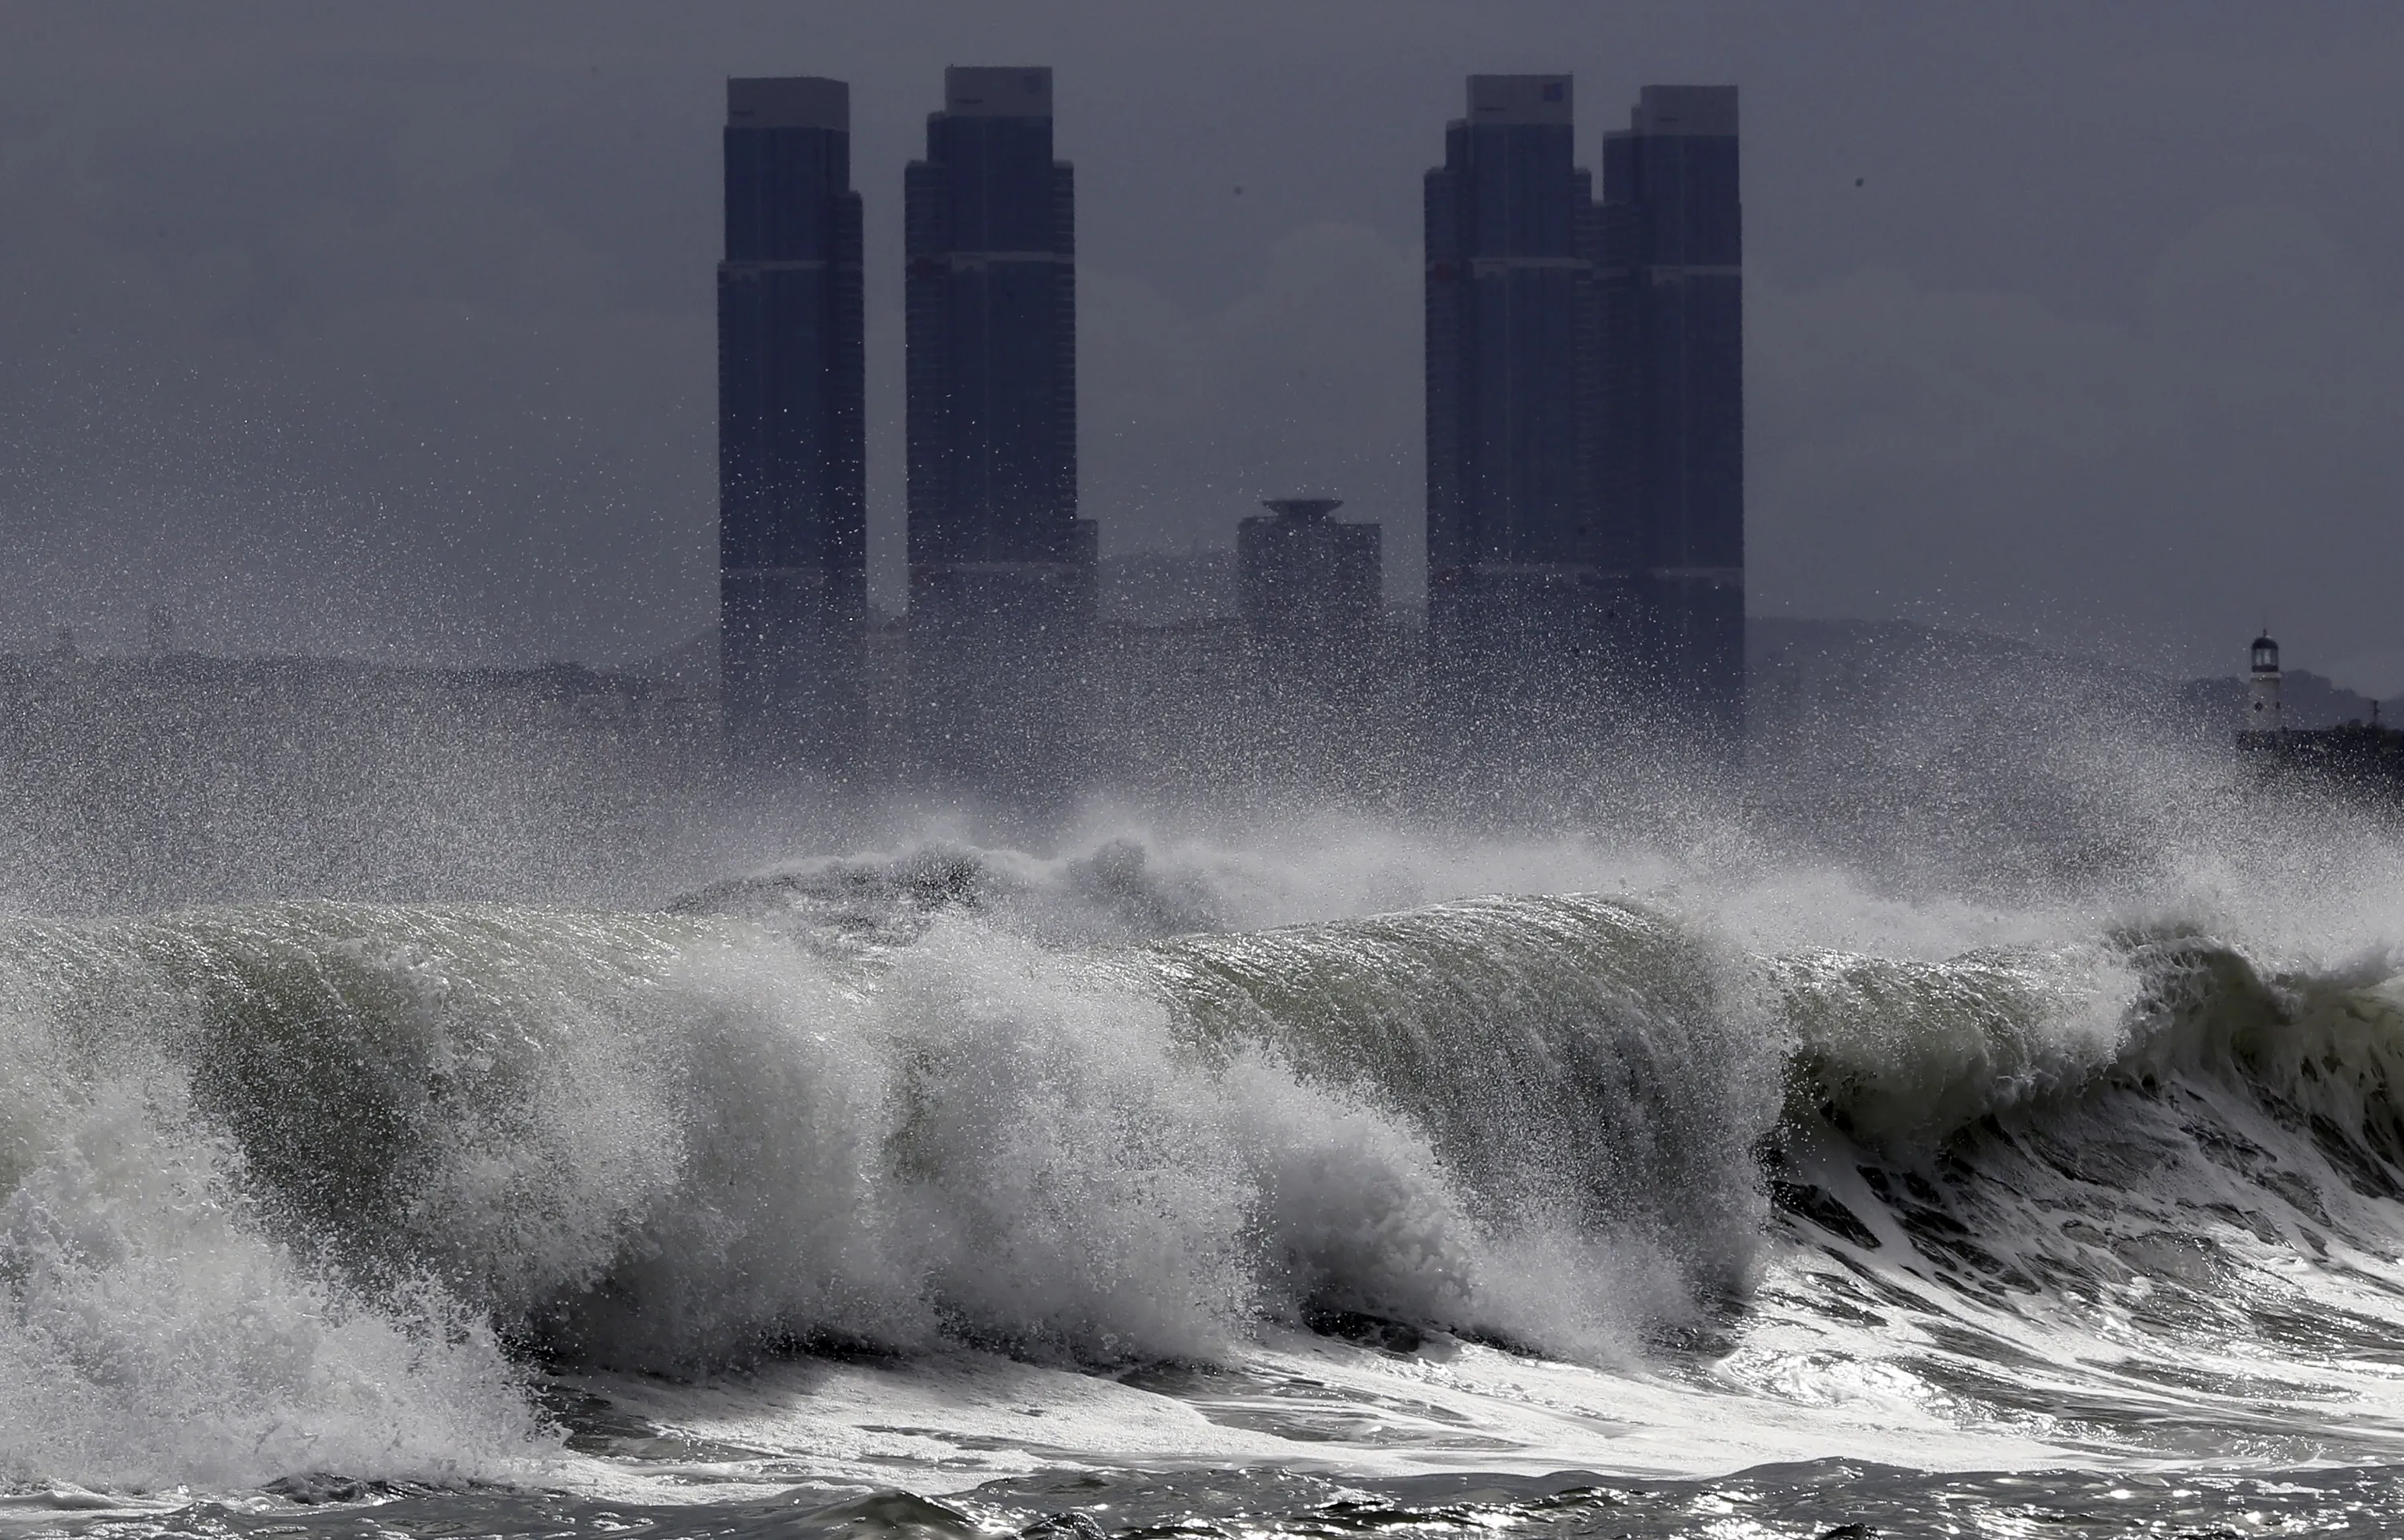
<point>1305,579</point>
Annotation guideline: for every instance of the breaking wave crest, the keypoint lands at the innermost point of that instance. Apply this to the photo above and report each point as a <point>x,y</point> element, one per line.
<point>410,1154</point>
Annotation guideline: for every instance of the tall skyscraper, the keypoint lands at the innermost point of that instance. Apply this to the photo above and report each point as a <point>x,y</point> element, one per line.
<point>1002,569</point>
<point>1672,444</point>
<point>1529,596</point>
<point>792,486</point>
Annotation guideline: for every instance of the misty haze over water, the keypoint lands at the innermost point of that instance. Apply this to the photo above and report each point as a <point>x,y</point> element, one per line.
<point>432,380</point>
<point>1283,1077</point>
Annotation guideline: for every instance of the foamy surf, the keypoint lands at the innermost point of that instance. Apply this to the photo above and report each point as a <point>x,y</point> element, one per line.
<point>956,1174</point>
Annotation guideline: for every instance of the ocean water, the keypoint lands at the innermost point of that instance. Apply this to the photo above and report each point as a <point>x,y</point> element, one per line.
<point>1350,1180</point>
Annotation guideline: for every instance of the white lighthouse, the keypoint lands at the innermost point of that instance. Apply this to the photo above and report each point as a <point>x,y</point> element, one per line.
<point>2263,719</point>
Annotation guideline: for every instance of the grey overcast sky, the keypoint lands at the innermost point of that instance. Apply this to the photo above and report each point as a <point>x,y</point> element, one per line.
<point>385,330</point>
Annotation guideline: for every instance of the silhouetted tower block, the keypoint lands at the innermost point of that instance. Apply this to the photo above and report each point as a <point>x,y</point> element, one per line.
<point>1529,605</point>
<point>1002,569</point>
<point>1318,659</point>
<point>1672,445</point>
<point>1305,579</point>
<point>792,490</point>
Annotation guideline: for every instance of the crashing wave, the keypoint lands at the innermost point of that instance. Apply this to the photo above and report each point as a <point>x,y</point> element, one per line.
<point>416,1149</point>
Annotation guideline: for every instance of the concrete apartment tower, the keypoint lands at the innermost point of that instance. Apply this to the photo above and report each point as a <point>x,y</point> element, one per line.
<point>791,482</point>
<point>1307,582</point>
<point>1529,601</point>
<point>1317,665</point>
<point>1002,569</point>
<point>1672,439</point>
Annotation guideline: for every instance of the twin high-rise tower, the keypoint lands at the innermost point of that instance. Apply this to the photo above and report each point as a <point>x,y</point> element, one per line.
<point>792,490</point>
<point>1585,417</point>
<point>1585,425</point>
<point>989,234</point>
<point>1525,577</point>
<point>1002,569</point>
<point>1672,341</point>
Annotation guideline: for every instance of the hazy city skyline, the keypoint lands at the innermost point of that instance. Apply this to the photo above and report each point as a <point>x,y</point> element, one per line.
<point>388,333</point>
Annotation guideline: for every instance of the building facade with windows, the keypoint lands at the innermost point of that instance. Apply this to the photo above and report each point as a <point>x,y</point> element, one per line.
<point>1529,578</point>
<point>1672,442</point>
<point>792,490</point>
<point>1001,568</point>
<point>1585,425</point>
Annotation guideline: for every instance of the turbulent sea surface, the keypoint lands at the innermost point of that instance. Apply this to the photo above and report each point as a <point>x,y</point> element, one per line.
<point>1167,1189</point>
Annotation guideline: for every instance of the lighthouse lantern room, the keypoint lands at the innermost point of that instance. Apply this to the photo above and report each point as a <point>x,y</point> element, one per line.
<point>2262,711</point>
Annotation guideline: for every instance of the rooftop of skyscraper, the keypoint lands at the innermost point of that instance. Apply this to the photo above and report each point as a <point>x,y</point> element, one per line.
<point>789,101</point>
<point>1698,111</point>
<point>998,90</point>
<point>1519,99</point>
